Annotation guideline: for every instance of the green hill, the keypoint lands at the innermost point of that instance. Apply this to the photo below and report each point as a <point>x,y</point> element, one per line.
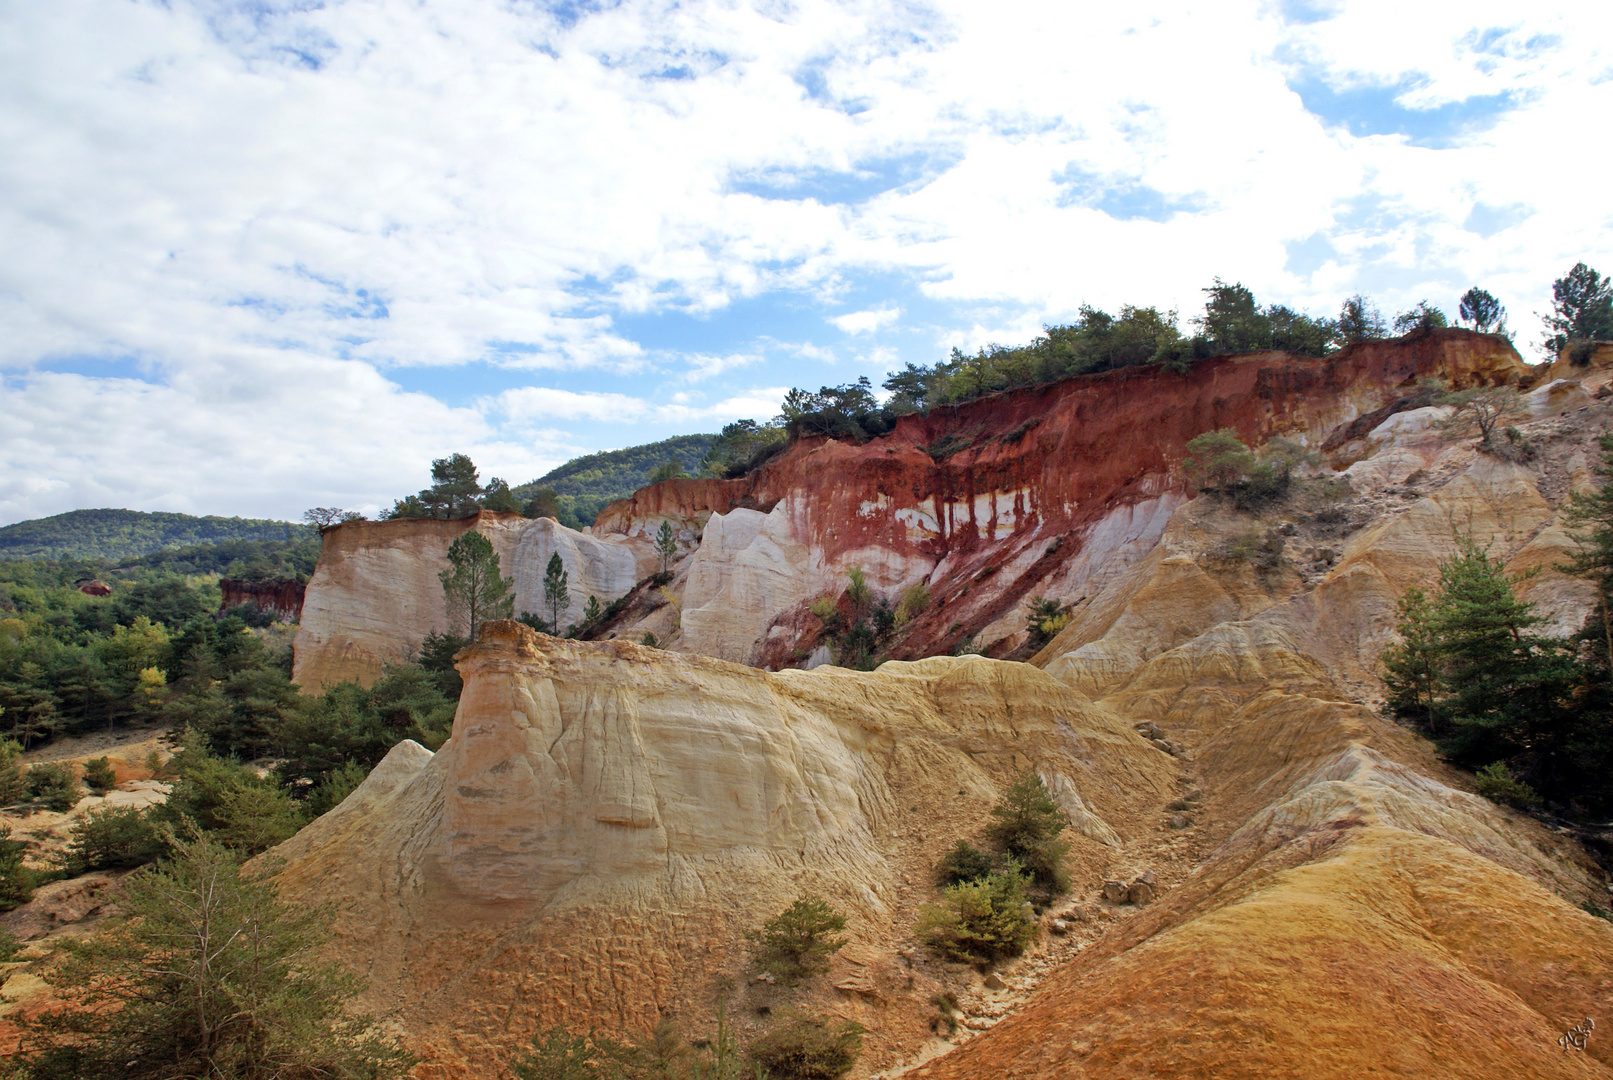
<point>122,534</point>
<point>586,484</point>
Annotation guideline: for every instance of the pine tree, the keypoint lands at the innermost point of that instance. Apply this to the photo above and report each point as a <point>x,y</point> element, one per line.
<point>1592,512</point>
<point>1027,824</point>
<point>210,974</point>
<point>472,589</point>
<point>555,592</point>
<point>666,543</point>
<point>1411,667</point>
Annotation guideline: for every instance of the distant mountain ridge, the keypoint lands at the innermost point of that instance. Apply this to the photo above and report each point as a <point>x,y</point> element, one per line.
<point>121,534</point>
<point>587,484</point>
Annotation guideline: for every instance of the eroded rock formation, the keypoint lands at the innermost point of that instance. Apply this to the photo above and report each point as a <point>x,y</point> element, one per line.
<point>375,594</point>
<point>1322,894</point>
<point>284,598</point>
<point>1048,491</point>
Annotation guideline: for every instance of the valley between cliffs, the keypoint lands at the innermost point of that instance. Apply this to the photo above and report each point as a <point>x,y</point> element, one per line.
<point>607,819</point>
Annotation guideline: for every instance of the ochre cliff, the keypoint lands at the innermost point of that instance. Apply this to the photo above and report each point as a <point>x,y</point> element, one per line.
<point>284,598</point>
<point>1048,491</point>
<point>606,820</point>
<point>375,594</point>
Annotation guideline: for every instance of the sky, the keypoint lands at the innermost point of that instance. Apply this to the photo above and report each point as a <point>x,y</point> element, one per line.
<point>261,256</point>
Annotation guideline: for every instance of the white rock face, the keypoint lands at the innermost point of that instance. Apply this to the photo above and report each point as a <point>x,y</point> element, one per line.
<point>748,568</point>
<point>375,594</point>
<point>1556,398</point>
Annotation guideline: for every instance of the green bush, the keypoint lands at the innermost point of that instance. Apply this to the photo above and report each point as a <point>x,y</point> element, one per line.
<point>328,794</point>
<point>112,838</point>
<point>1496,783</point>
<point>240,809</point>
<point>964,862</point>
<point>98,776</point>
<point>16,880</point>
<point>979,921</point>
<point>557,1054</point>
<point>798,941</point>
<point>13,784</point>
<point>1027,823</point>
<point>10,946</point>
<point>53,784</point>
<point>802,1046</point>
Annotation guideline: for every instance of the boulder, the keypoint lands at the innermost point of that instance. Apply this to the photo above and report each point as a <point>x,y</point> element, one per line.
<point>1115,892</point>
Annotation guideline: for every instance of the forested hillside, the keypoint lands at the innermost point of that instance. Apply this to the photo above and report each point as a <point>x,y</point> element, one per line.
<point>583,486</point>
<point>122,534</point>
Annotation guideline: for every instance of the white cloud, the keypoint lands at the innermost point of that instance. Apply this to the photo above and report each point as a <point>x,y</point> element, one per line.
<point>866,322</point>
<point>257,215</point>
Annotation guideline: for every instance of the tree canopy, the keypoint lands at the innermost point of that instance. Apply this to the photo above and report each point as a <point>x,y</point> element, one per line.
<point>1581,310</point>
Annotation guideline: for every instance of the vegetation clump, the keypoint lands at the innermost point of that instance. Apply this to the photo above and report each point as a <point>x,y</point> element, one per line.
<point>980,915</point>
<point>981,920</point>
<point>209,974</point>
<point>803,1046</point>
<point>799,941</point>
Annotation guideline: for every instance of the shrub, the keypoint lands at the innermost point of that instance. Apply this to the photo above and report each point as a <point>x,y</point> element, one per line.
<point>52,784</point>
<point>98,776</point>
<point>1045,619</point>
<point>557,1054</point>
<point>1217,460</point>
<point>245,812</point>
<point>807,1047</point>
<point>979,921</point>
<point>10,946</point>
<point>13,784</point>
<point>337,785</point>
<point>964,862</point>
<point>16,880</point>
<point>112,838</point>
<point>1496,783</point>
<point>798,941</point>
<point>913,603</point>
<point>1027,824</point>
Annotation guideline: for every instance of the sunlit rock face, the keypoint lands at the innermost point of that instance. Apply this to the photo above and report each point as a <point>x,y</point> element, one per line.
<point>607,820</point>
<point>375,594</point>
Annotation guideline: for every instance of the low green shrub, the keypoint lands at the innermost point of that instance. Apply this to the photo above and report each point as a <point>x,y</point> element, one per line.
<point>1496,783</point>
<point>802,1046</point>
<point>979,921</point>
<point>98,776</point>
<point>798,941</point>
<point>964,862</point>
<point>52,784</point>
<point>16,880</point>
<point>112,838</point>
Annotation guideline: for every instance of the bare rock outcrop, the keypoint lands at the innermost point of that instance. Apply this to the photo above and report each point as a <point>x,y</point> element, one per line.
<point>607,818</point>
<point>375,595</point>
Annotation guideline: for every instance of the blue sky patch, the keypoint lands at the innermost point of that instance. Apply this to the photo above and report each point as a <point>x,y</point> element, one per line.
<point>1375,110</point>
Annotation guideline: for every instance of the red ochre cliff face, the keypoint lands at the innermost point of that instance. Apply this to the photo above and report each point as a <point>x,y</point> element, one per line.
<point>1047,490</point>
<point>284,598</point>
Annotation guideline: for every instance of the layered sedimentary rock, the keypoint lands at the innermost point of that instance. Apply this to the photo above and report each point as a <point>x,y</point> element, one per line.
<point>1052,491</point>
<point>1327,895</point>
<point>375,594</point>
<point>284,598</point>
<point>606,819</point>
